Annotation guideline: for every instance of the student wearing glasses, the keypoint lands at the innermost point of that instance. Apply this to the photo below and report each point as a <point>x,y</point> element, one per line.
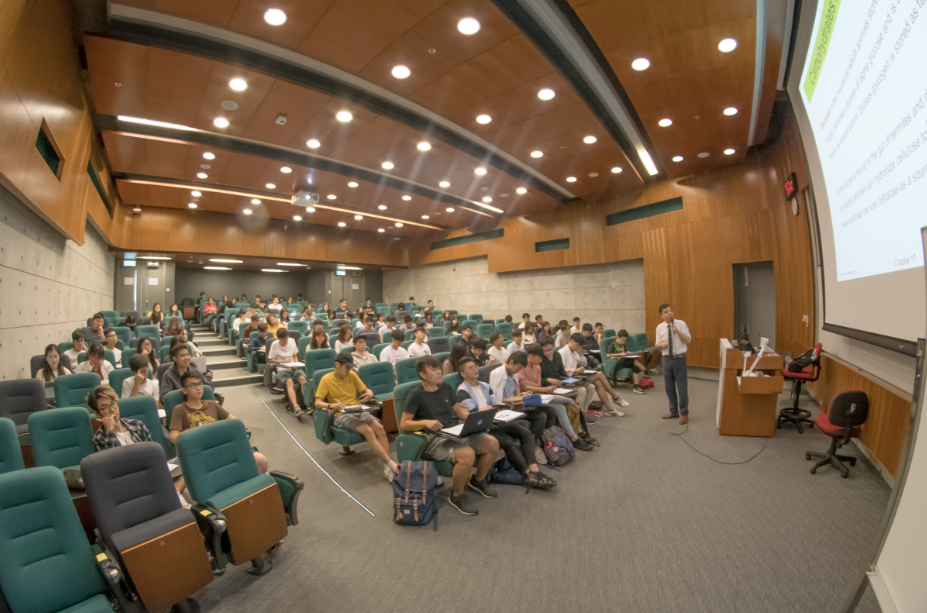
<point>114,431</point>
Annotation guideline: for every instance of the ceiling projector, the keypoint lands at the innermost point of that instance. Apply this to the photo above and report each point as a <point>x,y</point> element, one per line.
<point>303,198</point>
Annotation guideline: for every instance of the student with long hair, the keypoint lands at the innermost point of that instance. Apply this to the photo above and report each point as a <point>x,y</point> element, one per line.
<point>96,363</point>
<point>146,348</point>
<point>155,309</point>
<point>52,366</point>
<point>458,352</point>
<point>319,339</point>
<point>345,338</point>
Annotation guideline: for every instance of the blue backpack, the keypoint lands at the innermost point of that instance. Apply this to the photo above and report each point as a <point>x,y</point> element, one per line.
<point>414,494</point>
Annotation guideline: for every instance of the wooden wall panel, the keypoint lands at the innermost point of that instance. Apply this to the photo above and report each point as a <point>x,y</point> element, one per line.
<point>883,433</point>
<point>734,215</point>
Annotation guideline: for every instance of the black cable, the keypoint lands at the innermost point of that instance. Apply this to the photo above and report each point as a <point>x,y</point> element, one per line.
<point>679,434</point>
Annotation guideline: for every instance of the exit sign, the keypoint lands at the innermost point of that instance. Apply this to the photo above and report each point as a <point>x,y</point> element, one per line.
<point>790,186</point>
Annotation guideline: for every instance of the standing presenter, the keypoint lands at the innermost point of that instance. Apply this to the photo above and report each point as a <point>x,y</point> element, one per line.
<point>673,338</point>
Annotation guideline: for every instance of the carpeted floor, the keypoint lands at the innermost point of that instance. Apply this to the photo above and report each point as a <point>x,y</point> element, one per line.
<point>642,524</point>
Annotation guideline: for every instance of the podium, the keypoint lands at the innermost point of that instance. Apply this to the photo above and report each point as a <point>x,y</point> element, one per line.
<point>747,405</point>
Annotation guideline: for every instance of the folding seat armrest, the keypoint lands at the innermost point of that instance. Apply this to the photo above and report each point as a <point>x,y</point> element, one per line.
<point>115,578</point>
<point>212,526</point>
<point>297,487</point>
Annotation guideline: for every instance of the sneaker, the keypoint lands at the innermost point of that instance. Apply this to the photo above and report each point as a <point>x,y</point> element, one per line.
<point>594,413</point>
<point>389,474</point>
<point>582,445</point>
<point>482,488</point>
<point>638,390</point>
<point>538,480</point>
<point>622,402</point>
<point>462,504</point>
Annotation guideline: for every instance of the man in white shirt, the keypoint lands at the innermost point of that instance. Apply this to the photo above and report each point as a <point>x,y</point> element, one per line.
<point>360,354</point>
<point>674,338</point>
<point>516,344</point>
<point>275,306</point>
<point>77,337</point>
<point>110,338</point>
<point>282,351</point>
<point>419,348</point>
<point>575,362</point>
<point>526,323</point>
<point>577,326</point>
<point>139,384</point>
<point>387,330</point>
<point>395,351</point>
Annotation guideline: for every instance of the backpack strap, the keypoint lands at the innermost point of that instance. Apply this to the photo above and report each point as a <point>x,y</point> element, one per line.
<point>408,477</point>
<point>425,486</point>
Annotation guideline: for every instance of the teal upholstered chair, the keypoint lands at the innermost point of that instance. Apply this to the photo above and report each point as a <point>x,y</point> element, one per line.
<point>109,314</point>
<point>378,349</point>
<point>485,330</point>
<point>61,437</point>
<point>406,344</point>
<point>408,445</point>
<point>298,325</point>
<point>342,436</point>
<point>11,455</point>
<point>410,335</point>
<point>175,397</point>
<point>151,331</point>
<point>453,338</point>
<point>117,377</point>
<point>505,329</point>
<point>476,319</point>
<point>441,356</point>
<point>48,564</point>
<point>606,344</point>
<point>62,347</point>
<point>609,332</point>
<point>222,476</point>
<point>108,355</point>
<point>318,359</point>
<point>379,378</point>
<point>303,344</point>
<point>639,343</point>
<point>124,334</point>
<point>454,380</point>
<point>405,371</point>
<point>435,332</point>
<point>72,390</point>
<point>145,409</point>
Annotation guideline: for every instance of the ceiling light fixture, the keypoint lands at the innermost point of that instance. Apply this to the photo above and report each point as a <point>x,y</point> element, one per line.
<point>677,158</point>
<point>480,170</point>
<point>704,154</point>
<point>537,154</point>
<point>648,162</point>
<point>192,205</point>
<point>290,264</point>
<point>275,17</point>
<point>401,72</point>
<point>159,124</point>
<point>310,209</point>
<point>343,267</point>
<point>202,175</point>
<point>730,111</point>
<point>272,270</point>
<point>313,143</point>
<point>247,211</point>
<point>521,190</point>
<point>468,26</point>
<point>445,183</point>
<point>382,207</point>
<point>483,119</point>
<point>358,217</point>
<point>590,139</point>
<point>665,123</point>
<point>209,156</point>
<point>398,224</point>
<point>153,257</point>
<point>238,85</point>
<point>381,230</point>
<point>487,199</point>
<point>331,196</point>
<point>220,122</point>
<point>255,201</point>
<point>286,170</point>
<point>344,116</point>
<point>727,45</point>
<point>640,63</point>
<point>270,186</point>
<point>424,146</point>
<point>341,224</point>
<point>729,152</point>
<point>616,169</point>
<point>137,210</point>
<point>449,209</point>
<point>388,165</point>
<point>352,184</point>
<point>425,217</point>
<point>216,268</point>
<point>407,198</point>
<point>196,194</point>
<point>546,94</point>
<point>297,218</point>
<point>224,261</point>
<point>571,179</point>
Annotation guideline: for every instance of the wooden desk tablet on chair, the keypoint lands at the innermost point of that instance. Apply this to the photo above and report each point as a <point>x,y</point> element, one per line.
<point>747,405</point>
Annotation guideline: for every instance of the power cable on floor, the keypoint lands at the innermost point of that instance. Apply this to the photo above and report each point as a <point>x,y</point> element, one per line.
<point>679,434</point>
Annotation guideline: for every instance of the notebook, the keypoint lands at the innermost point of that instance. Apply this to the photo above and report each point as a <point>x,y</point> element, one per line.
<point>507,415</point>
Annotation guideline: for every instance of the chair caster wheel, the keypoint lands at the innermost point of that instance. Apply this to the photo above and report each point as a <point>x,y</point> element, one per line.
<point>845,475</point>
<point>778,426</point>
<point>807,456</point>
<point>800,430</point>
<point>813,469</point>
<point>810,426</point>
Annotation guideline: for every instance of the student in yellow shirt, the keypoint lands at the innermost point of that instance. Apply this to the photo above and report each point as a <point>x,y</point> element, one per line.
<point>273,324</point>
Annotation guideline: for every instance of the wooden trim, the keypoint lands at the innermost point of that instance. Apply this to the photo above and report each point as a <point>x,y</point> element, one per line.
<point>255,524</point>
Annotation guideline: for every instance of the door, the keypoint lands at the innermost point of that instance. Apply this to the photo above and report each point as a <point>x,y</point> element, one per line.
<point>755,301</point>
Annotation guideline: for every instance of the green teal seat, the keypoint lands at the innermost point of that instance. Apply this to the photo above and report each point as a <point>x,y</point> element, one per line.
<point>405,371</point>
<point>435,332</point>
<point>117,377</point>
<point>608,366</point>
<point>609,332</point>
<point>11,455</point>
<point>441,356</point>
<point>72,390</point>
<point>505,329</point>
<point>302,326</point>
<point>408,445</point>
<point>253,366</point>
<point>501,320</point>
<point>109,314</point>
<point>476,319</point>
<point>454,380</point>
<point>461,318</point>
<point>485,330</point>
<point>379,347</point>
<point>379,378</point>
<point>453,338</point>
<point>124,334</point>
<point>48,564</point>
<point>145,409</point>
<point>638,343</point>
<point>240,340</point>
<point>303,344</point>
<point>347,350</point>
<point>406,344</point>
<point>108,355</point>
<point>410,335</point>
<point>384,309</point>
<point>606,345</point>
<point>165,347</point>
<point>151,331</point>
<point>343,436</point>
<point>318,359</point>
<point>175,397</point>
<point>61,437</point>
<point>62,347</point>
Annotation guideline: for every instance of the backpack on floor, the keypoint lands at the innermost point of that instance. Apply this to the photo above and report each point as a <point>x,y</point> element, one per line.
<point>503,473</point>
<point>557,447</point>
<point>646,384</point>
<point>414,496</point>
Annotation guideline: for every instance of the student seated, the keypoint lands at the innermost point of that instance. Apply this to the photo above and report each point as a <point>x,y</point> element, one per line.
<point>181,339</point>
<point>553,373</point>
<point>577,327</point>
<point>210,311</point>
<point>139,384</point>
<point>544,333</point>
<point>344,339</point>
<point>419,348</point>
<point>131,323</point>
<point>458,352</point>
<point>145,347</point>
<point>514,438</point>
<point>274,325</point>
<point>114,431</point>
<point>504,384</point>
<point>342,310</point>
<point>360,354</point>
<point>252,327</point>
<point>563,334</point>
<point>434,406</point>
<point>365,325</point>
<point>52,367</point>
<point>196,412</point>
<point>429,320</point>
<point>466,335</point>
<point>284,350</point>
<point>618,351</point>
<point>387,329</point>
<point>516,344</point>
<point>395,351</point>
<point>408,323</point>
<point>171,379</point>
<point>258,346</point>
<point>590,346</point>
<point>275,307</point>
<point>319,337</point>
<point>239,318</point>
<point>497,352</point>
<point>478,352</point>
<point>110,338</point>
<point>343,388</point>
<point>430,307</point>
<point>96,363</point>
<point>401,313</point>
<point>575,362</point>
<point>94,332</point>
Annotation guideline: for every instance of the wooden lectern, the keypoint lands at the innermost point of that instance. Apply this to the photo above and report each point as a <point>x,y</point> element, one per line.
<point>747,405</point>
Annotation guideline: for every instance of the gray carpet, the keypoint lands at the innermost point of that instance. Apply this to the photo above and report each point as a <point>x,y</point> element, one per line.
<point>641,524</point>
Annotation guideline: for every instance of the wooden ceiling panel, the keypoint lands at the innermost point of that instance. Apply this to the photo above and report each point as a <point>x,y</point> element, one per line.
<point>302,16</point>
<point>298,104</point>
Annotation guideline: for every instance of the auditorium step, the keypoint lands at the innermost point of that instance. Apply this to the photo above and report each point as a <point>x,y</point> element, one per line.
<point>209,340</point>
<point>226,364</point>
<point>246,379</point>
<point>218,350</point>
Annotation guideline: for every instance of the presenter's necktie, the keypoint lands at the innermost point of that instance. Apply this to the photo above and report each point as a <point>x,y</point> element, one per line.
<point>669,336</point>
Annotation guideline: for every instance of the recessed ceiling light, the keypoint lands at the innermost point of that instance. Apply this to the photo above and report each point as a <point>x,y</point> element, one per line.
<point>445,183</point>
<point>730,111</point>
<point>344,116</point>
<point>449,209</point>
<point>487,199</point>
<point>704,154</point>
<point>331,196</point>
<point>220,122</point>
<point>382,207</point>
<point>616,169</point>
<point>358,217</point>
<point>352,184</point>
<point>255,201</point>
<point>205,166</point>
<point>571,179</point>
<point>537,154</point>
<point>137,210</point>
<point>286,170</point>
<point>310,209</point>
<point>546,94</point>
<point>729,152</point>
<point>381,230</point>
<point>521,190</point>
<point>192,205</point>
<point>727,45</point>
<point>247,211</point>
<point>224,261</point>
<point>216,268</point>
<point>593,174</point>
<point>401,72</point>
<point>480,170</point>
<point>313,143</point>
<point>665,123</point>
<point>297,218</point>
<point>229,105</point>
<point>468,26</point>
<point>275,17</point>
<point>398,224</point>
<point>272,270</point>
<point>407,197</point>
<point>148,122</point>
<point>388,165</point>
<point>425,217</point>
<point>196,194</point>
<point>209,156</point>
<point>590,139</point>
<point>341,224</point>
<point>295,264</point>
<point>640,63</point>
<point>483,119</point>
<point>677,158</point>
<point>270,186</point>
<point>424,146</point>
<point>153,257</point>
<point>238,85</point>
<point>202,175</point>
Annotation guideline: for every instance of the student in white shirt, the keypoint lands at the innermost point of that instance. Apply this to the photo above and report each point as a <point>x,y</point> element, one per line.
<point>284,350</point>
<point>77,337</point>
<point>574,361</point>
<point>96,363</point>
<point>395,351</point>
<point>361,355</point>
<point>526,324</point>
<point>344,338</point>
<point>110,338</point>
<point>387,330</point>
<point>139,384</point>
<point>577,327</point>
<point>516,344</point>
<point>419,348</point>
<point>497,352</point>
<point>673,337</point>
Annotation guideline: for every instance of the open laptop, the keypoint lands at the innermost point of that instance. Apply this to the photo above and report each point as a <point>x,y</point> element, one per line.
<point>200,364</point>
<point>477,422</point>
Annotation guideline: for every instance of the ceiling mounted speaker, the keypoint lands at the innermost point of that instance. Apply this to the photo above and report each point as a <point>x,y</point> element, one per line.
<point>304,198</point>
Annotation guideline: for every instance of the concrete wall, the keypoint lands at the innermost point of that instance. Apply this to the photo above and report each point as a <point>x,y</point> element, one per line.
<point>610,293</point>
<point>48,285</point>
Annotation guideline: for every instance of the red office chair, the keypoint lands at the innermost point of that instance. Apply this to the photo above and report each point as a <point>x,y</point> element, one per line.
<point>794,415</point>
<point>847,413</point>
